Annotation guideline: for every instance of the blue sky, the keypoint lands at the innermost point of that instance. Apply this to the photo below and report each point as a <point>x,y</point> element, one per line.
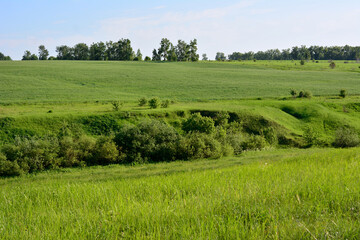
<point>225,26</point>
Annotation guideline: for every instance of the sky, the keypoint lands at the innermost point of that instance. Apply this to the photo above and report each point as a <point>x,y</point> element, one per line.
<point>219,26</point>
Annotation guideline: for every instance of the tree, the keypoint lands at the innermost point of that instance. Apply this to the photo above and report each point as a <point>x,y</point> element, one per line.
<point>204,57</point>
<point>163,51</point>
<point>147,58</point>
<point>97,51</point>
<point>34,57</point>
<point>4,58</point>
<point>138,56</point>
<point>193,51</point>
<point>124,51</point>
<point>65,52</point>
<point>27,55</point>
<point>110,50</point>
<point>43,53</point>
<point>155,56</point>
<point>220,56</point>
<point>81,51</point>
<point>182,51</point>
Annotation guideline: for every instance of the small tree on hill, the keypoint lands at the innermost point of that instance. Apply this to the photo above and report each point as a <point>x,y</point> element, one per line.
<point>154,102</point>
<point>342,93</point>
<point>332,65</point>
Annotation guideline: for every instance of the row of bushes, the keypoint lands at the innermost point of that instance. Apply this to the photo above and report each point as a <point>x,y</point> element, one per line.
<point>148,141</point>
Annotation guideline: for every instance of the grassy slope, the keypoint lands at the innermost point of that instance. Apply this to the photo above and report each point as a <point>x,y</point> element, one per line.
<point>292,194</point>
<point>37,81</point>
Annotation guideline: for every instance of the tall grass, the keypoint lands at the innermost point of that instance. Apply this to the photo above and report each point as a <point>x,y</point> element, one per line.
<point>293,194</point>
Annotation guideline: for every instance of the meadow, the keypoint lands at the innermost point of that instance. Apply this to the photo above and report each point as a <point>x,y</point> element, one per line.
<point>283,191</point>
<point>67,81</point>
<point>275,194</point>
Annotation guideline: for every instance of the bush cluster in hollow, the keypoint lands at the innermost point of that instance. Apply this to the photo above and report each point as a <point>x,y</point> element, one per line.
<point>346,137</point>
<point>147,141</point>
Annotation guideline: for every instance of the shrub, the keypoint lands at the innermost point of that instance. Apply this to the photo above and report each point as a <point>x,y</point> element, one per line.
<point>105,151</point>
<point>142,101</point>
<point>8,168</point>
<point>199,145</point>
<point>154,102</point>
<point>198,123</point>
<point>254,142</point>
<point>311,136</point>
<point>147,58</point>
<point>165,104</point>
<point>293,93</point>
<point>301,94</point>
<point>150,140</point>
<point>117,105</point>
<point>235,140</point>
<point>221,118</point>
<point>346,137</point>
<point>342,93</point>
<point>332,65</point>
<point>307,94</point>
<point>270,135</point>
<point>33,154</point>
<point>302,62</point>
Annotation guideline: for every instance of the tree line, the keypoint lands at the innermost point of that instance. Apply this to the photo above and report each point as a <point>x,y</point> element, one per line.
<point>4,58</point>
<point>120,50</point>
<point>298,53</point>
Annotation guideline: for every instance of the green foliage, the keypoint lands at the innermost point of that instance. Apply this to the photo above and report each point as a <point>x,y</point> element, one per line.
<point>332,65</point>
<point>105,151</point>
<point>346,137</point>
<point>254,142</point>
<point>311,136</point>
<point>199,145</point>
<point>302,62</point>
<point>143,101</point>
<point>165,103</point>
<point>198,123</point>
<point>154,102</point>
<point>343,93</point>
<point>147,59</point>
<point>151,141</point>
<point>117,105</point>
<point>293,93</point>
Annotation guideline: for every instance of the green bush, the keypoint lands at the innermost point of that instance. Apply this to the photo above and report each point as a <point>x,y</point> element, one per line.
<point>235,140</point>
<point>343,93</point>
<point>302,62</point>
<point>307,94</point>
<point>117,105</point>
<point>332,65</point>
<point>254,142</point>
<point>154,102</point>
<point>311,136</point>
<point>33,154</point>
<point>165,104</point>
<point>199,145</point>
<point>293,93</point>
<point>198,123</point>
<point>8,168</point>
<point>346,137</point>
<point>105,151</point>
<point>150,140</point>
<point>142,101</point>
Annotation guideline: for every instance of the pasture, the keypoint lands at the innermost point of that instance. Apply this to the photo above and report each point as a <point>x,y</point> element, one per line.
<point>68,81</point>
<point>282,194</point>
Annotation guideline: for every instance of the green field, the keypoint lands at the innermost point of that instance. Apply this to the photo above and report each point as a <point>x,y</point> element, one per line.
<point>280,192</point>
<point>288,194</point>
<point>59,81</point>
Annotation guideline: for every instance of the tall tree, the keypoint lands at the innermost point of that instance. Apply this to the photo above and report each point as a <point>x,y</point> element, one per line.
<point>97,51</point>
<point>81,51</point>
<point>26,56</point>
<point>138,55</point>
<point>43,53</point>
<point>124,51</point>
<point>65,52</point>
<point>193,51</point>
<point>163,51</point>
<point>220,56</point>
<point>155,56</point>
<point>182,51</point>
<point>204,57</point>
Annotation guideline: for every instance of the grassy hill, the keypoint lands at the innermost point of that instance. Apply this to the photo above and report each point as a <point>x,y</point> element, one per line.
<point>282,194</point>
<point>76,81</point>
